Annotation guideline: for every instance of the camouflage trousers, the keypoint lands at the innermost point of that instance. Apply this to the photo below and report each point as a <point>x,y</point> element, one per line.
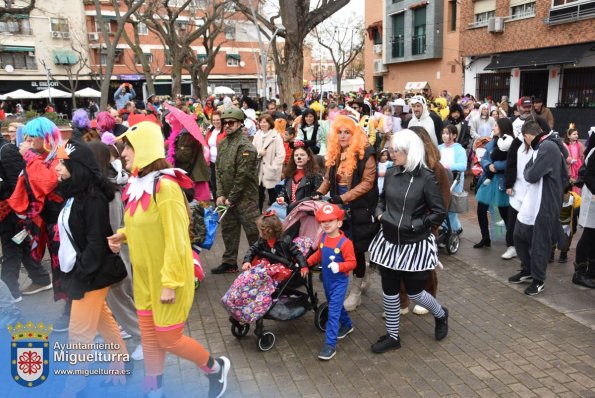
<point>244,214</point>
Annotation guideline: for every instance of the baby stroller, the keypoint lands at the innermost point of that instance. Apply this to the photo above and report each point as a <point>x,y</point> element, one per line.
<point>459,204</point>
<point>291,298</point>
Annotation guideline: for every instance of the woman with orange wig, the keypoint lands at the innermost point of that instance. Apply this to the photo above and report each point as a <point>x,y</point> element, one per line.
<point>351,181</point>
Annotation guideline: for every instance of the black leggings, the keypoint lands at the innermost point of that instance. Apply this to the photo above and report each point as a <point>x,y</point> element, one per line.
<point>272,196</point>
<point>585,249</point>
<point>415,282</point>
<point>360,267</point>
<point>482,218</point>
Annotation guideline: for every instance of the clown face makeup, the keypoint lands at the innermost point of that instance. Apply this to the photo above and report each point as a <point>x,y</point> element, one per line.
<point>300,157</point>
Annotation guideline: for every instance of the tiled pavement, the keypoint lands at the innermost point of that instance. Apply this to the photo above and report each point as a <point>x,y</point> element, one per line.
<point>501,342</point>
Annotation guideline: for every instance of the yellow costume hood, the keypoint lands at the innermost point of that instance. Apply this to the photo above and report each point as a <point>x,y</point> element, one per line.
<point>147,141</point>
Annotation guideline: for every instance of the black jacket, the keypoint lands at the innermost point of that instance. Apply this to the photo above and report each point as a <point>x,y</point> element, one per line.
<point>306,188</point>
<point>96,267</point>
<point>410,205</point>
<point>283,249</point>
<point>11,165</point>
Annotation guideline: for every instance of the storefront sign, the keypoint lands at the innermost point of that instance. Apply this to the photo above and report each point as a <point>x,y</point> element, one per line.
<point>131,77</point>
<point>41,85</point>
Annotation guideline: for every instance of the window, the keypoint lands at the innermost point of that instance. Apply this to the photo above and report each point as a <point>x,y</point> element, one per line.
<point>578,89</point>
<point>18,59</point>
<point>118,56</point>
<point>376,36</point>
<point>181,27</point>
<point>142,29</point>
<point>148,56</point>
<point>230,32</point>
<point>452,9</point>
<point>59,24</point>
<point>522,10</point>
<point>493,85</point>
<point>482,11</point>
<point>419,31</point>
<point>106,24</point>
<point>563,2</point>
<point>16,25</point>
<point>200,4</point>
<point>233,60</point>
<point>398,39</point>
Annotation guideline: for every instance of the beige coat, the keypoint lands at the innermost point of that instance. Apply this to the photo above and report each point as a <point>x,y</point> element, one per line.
<point>271,162</point>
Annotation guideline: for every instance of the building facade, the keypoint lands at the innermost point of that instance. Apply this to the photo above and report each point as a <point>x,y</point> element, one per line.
<point>543,49</point>
<point>411,45</point>
<point>48,40</point>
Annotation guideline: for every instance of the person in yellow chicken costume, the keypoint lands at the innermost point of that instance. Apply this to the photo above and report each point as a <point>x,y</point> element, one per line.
<point>156,230</point>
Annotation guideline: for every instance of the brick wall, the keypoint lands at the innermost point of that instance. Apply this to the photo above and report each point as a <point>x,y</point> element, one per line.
<point>521,34</point>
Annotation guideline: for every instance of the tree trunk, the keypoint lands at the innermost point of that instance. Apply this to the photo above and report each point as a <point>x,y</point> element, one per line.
<point>176,74</point>
<point>339,78</point>
<point>291,73</point>
<point>203,85</point>
<point>106,79</point>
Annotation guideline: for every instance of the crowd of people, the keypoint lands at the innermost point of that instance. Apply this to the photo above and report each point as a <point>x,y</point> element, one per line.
<point>109,200</point>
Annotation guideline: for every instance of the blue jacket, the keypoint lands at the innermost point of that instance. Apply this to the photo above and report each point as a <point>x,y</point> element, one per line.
<point>122,98</point>
<point>486,160</point>
<point>460,163</point>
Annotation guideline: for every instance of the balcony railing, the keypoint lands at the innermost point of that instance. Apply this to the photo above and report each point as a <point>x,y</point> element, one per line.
<point>398,47</point>
<point>571,13</point>
<point>418,45</point>
<point>20,31</point>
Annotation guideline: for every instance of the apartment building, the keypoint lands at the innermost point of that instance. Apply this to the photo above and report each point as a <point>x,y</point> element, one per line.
<point>50,38</point>
<point>544,49</point>
<point>237,65</point>
<point>412,45</point>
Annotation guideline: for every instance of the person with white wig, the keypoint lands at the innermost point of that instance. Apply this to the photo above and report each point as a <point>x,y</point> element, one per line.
<point>405,247</point>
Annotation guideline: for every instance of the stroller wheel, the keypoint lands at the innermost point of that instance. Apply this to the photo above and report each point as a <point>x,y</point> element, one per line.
<point>321,317</point>
<point>266,341</point>
<point>239,330</point>
<point>453,242</point>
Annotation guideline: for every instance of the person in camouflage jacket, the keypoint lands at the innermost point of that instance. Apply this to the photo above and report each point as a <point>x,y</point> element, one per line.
<point>237,187</point>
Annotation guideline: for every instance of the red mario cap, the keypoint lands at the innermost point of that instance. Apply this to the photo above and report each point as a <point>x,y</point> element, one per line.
<point>329,212</point>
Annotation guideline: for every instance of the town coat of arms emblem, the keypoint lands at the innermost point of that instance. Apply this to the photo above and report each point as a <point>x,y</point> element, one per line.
<point>30,353</point>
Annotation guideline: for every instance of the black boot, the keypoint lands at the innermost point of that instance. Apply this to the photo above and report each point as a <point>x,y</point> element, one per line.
<point>563,258</point>
<point>483,243</point>
<point>441,329</point>
<point>581,275</point>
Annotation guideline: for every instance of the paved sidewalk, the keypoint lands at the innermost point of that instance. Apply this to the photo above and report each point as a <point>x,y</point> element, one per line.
<point>501,342</point>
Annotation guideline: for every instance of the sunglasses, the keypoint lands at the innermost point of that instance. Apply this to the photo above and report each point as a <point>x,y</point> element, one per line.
<point>229,122</point>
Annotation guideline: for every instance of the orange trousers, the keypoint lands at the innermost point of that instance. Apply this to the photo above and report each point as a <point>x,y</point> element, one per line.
<point>157,342</point>
<point>88,316</point>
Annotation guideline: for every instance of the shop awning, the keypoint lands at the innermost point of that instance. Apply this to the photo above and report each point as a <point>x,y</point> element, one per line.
<point>15,16</point>
<point>16,49</point>
<point>410,86</point>
<point>540,57</point>
<point>234,56</point>
<point>64,57</point>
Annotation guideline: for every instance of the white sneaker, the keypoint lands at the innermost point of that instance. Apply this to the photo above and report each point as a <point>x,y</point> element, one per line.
<point>125,335</point>
<point>510,253</point>
<point>405,311</point>
<point>419,310</point>
<point>137,354</point>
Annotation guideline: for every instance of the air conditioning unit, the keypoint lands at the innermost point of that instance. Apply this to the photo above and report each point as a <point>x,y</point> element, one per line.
<point>496,25</point>
<point>93,36</point>
<point>66,35</point>
<point>377,48</point>
<point>56,35</point>
<point>379,66</point>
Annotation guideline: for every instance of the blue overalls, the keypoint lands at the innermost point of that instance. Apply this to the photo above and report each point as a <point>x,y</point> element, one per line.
<point>335,289</point>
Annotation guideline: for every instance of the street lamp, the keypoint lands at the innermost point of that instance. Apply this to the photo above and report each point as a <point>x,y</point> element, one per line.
<point>48,72</point>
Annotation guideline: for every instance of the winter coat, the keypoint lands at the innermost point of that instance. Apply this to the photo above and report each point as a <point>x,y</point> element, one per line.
<point>11,165</point>
<point>236,168</point>
<point>306,188</point>
<point>283,248</point>
<point>587,214</point>
<point>270,165</point>
<point>97,266</point>
<point>410,205</point>
<point>547,115</point>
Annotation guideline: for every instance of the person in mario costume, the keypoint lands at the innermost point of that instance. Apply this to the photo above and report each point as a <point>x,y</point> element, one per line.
<point>337,257</point>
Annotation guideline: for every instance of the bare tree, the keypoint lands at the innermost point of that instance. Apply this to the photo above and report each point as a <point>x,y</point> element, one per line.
<point>111,40</point>
<point>139,54</point>
<point>344,44</point>
<point>162,17</point>
<point>298,19</point>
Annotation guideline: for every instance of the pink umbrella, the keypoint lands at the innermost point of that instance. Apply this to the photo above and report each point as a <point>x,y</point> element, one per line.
<point>179,119</point>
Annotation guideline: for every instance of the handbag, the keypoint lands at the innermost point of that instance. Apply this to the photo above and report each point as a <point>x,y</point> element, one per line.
<point>459,202</point>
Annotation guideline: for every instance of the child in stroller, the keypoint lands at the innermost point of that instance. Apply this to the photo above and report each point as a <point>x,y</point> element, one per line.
<point>268,287</point>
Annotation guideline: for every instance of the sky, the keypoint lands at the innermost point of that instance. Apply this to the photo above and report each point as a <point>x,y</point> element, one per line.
<point>354,6</point>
